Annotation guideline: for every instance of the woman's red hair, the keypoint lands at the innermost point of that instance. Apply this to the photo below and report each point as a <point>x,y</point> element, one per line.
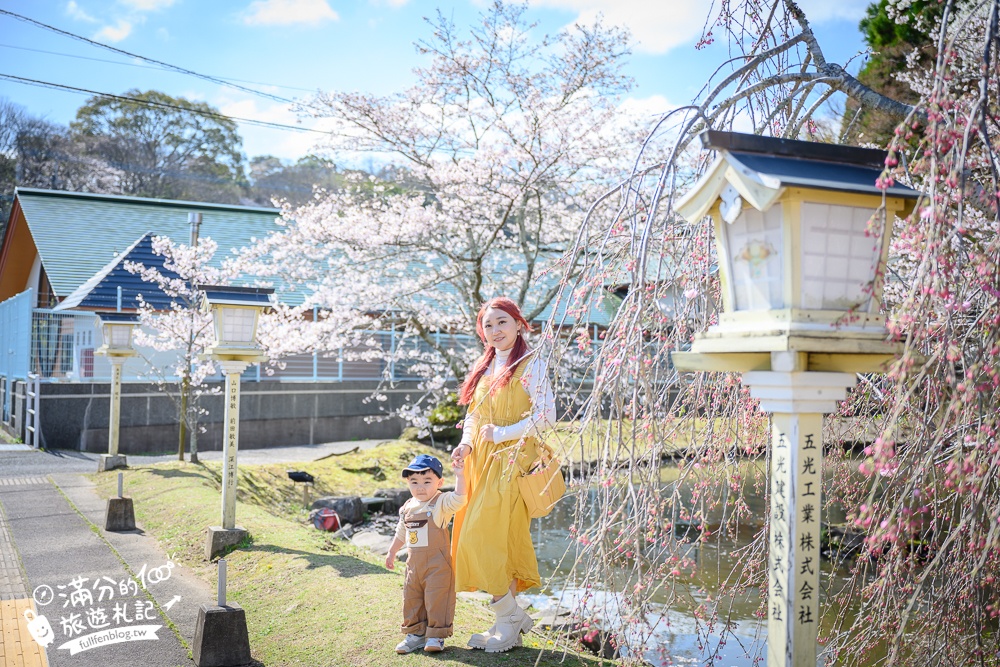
<point>517,353</point>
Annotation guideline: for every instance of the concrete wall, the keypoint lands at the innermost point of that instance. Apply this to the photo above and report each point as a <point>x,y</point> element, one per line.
<point>75,416</point>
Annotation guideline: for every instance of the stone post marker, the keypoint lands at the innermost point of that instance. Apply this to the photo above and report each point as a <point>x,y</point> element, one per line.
<point>797,401</point>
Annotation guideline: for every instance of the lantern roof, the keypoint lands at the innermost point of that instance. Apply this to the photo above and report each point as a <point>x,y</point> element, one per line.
<point>237,296</point>
<point>118,318</point>
<point>760,168</point>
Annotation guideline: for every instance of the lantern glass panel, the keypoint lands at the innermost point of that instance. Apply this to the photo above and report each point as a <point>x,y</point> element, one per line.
<point>121,335</point>
<point>838,258</point>
<point>755,248</point>
<point>238,325</point>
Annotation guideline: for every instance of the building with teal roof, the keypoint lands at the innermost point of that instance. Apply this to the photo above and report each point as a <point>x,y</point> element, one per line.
<point>62,259</point>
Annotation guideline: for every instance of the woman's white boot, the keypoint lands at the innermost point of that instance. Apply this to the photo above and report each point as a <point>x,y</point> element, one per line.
<point>511,623</point>
<point>479,639</point>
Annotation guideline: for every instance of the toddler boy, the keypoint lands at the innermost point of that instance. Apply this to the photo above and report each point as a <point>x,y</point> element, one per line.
<point>429,588</point>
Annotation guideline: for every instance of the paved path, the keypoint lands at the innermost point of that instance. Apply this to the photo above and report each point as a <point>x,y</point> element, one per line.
<point>17,648</point>
<point>57,560</point>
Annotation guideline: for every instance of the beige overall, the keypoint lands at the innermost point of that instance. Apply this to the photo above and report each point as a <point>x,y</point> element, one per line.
<point>429,586</point>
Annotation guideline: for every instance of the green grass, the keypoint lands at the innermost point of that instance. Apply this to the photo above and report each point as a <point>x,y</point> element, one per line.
<point>619,440</point>
<point>309,601</point>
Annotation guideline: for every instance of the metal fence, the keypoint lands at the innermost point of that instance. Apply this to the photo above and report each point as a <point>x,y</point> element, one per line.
<point>15,342</point>
<point>62,346</point>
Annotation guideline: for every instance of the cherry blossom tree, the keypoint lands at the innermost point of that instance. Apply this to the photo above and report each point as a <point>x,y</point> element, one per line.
<point>183,329</point>
<point>502,143</point>
<point>923,502</point>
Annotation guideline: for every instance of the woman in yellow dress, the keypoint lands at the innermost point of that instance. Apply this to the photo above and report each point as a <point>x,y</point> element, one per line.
<point>510,400</point>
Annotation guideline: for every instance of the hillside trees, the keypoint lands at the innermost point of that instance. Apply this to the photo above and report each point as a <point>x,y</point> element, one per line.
<point>154,145</point>
<point>40,154</point>
<point>163,146</point>
<point>899,36</point>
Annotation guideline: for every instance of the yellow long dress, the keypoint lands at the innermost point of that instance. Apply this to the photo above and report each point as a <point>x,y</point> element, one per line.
<point>491,542</point>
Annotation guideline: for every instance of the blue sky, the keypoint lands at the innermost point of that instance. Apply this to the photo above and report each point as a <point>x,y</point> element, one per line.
<point>297,46</point>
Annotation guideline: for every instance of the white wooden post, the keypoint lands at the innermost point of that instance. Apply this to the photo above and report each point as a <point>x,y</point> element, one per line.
<point>232,370</point>
<point>222,582</point>
<point>797,400</point>
<point>793,579</point>
<point>116,404</point>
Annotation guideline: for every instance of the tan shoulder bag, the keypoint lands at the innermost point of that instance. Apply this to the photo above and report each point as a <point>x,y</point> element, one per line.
<point>543,484</point>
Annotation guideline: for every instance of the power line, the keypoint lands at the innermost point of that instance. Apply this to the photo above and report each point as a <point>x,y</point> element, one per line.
<point>162,105</point>
<point>175,68</point>
<point>152,67</point>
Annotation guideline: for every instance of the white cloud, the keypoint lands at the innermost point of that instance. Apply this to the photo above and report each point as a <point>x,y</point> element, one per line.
<point>656,26</point>
<point>288,12</point>
<point>286,144</point>
<point>115,33</point>
<point>661,25</point>
<point>653,106</point>
<point>77,13</point>
<point>147,5</point>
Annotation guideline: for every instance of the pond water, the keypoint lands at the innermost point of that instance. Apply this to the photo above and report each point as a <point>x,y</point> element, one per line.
<point>678,637</point>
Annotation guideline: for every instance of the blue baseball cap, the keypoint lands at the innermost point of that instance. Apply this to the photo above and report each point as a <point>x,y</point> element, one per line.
<point>425,462</point>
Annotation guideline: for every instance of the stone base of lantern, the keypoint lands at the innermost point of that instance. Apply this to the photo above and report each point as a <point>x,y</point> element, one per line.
<point>220,637</point>
<point>111,462</point>
<point>120,515</point>
<point>220,539</point>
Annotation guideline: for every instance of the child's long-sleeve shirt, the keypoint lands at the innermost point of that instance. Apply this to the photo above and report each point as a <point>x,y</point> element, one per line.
<point>444,509</point>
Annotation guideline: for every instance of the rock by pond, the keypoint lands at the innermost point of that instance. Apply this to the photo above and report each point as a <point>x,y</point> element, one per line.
<point>394,499</point>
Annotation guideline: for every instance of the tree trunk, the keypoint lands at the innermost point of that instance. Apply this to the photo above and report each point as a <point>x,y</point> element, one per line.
<point>193,442</point>
<point>183,425</point>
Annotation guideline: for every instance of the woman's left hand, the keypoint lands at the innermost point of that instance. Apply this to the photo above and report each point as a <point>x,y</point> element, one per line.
<point>486,432</point>
<point>459,453</point>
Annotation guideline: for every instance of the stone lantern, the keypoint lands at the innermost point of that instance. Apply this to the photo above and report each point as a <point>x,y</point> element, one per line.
<point>802,234</point>
<point>235,314</point>
<point>116,332</point>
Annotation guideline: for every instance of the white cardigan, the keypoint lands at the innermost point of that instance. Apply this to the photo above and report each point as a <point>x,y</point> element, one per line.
<point>535,381</point>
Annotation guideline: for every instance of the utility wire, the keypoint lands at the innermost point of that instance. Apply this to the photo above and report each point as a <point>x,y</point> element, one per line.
<point>162,105</point>
<point>152,67</point>
<point>175,68</point>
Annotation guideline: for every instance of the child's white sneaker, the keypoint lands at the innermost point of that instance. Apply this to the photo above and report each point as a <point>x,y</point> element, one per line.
<point>410,644</point>
<point>434,645</point>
